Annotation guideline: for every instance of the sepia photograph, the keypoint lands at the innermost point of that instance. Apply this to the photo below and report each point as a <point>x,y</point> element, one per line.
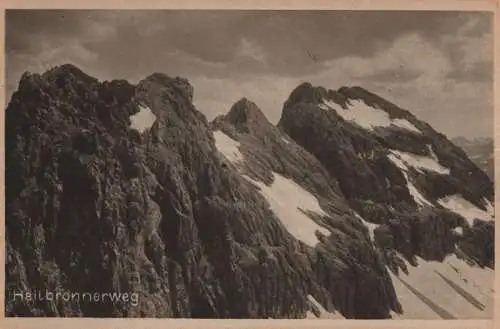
<point>249,164</point>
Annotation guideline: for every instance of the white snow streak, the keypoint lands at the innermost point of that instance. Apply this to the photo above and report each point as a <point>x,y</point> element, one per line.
<point>287,199</point>
<point>405,124</point>
<point>228,147</point>
<point>421,162</point>
<point>405,161</point>
<point>371,227</point>
<point>366,116</point>
<point>325,107</point>
<point>397,158</point>
<point>143,119</point>
<point>490,208</point>
<point>464,208</point>
<point>417,196</point>
<point>323,313</point>
<point>459,230</point>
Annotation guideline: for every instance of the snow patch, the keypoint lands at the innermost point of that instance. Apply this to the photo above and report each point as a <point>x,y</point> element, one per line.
<point>490,208</point>
<point>448,289</point>
<point>464,208</point>
<point>368,117</point>
<point>421,162</point>
<point>324,107</point>
<point>288,200</point>
<point>310,315</point>
<point>416,195</point>
<point>143,119</point>
<point>396,158</point>
<point>405,161</point>
<point>323,313</point>
<point>371,227</point>
<point>405,124</point>
<point>228,147</point>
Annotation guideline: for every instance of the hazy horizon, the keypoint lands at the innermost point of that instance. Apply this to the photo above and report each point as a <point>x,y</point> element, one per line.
<point>438,65</point>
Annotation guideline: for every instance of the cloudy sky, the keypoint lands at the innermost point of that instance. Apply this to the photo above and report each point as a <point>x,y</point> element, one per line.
<point>438,65</point>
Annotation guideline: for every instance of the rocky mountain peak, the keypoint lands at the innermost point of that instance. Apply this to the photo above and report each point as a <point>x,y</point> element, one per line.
<point>245,116</point>
<point>245,111</point>
<point>177,84</point>
<point>69,70</point>
<point>305,92</point>
<point>389,164</point>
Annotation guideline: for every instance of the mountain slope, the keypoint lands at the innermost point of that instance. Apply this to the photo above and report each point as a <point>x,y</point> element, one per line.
<point>480,151</point>
<point>427,200</point>
<point>293,181</point>
<point>113,187</point>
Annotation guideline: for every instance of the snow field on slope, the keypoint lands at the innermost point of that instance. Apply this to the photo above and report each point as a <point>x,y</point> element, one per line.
<point>464,208</point>
<point>455,203</point>
<point>366,116</point>
<point>421,162</point>
<point>228,147</point>
<point>143,119</point>
<point>287,199</point>
<point>452,289</point>
<point>413,307</point>
<point>403,166</point>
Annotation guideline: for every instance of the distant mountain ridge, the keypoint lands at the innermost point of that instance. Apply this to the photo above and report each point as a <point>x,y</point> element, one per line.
<point>349,208</point>
<point>480,151</point>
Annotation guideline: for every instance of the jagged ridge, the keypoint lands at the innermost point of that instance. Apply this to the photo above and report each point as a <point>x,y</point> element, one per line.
<point>94,205</point>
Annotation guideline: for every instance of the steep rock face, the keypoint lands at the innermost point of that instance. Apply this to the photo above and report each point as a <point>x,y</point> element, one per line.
<point>96,205</point>
<point>288,175</point>
<point>426,198</point>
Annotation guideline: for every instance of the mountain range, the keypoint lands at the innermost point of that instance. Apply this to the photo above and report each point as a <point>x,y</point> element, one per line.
<point>480,151</point>
<point>349,208</point>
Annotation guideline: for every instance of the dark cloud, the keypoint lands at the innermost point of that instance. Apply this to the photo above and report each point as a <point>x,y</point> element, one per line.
<point>214,36</point>
<point>233,48</point>
<point>25,29</point>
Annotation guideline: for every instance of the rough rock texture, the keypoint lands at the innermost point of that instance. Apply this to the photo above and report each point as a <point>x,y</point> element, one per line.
<point>95,206</point>
<point>346,264</point>
<point>359,159</point>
